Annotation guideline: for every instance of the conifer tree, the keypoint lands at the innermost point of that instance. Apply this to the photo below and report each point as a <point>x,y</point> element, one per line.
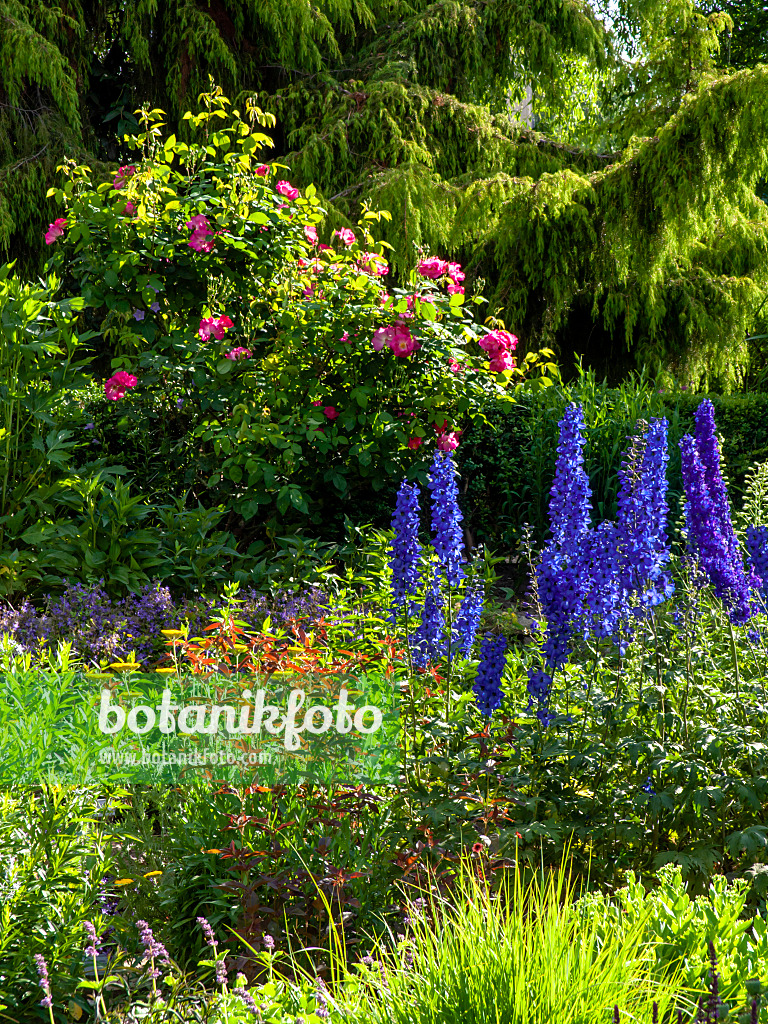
<point>636,235</point>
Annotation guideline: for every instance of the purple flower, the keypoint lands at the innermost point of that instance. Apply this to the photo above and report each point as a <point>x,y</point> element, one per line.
<point>138,314</point>
<point>45,983</point>
<point>92,949</point>
<point>468,620</point>
<point>487,684</point>
<point>155,950</point>
<point>406,549</point>
<point>249,1001</point>
<point>446,517</point>
<point>757,546</point>
<point>642,520</point>
<point>428,642</point>
<point>708,520</point>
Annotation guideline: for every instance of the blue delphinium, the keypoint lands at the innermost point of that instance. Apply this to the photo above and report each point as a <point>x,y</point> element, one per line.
<point>570,497</point>
<point>468,620</point>
<point>709,529</point>
<point>446,517</point>
<point>561,576</point>
<point>487,685</point>
<point>605,596</point>
<point>428,642</point>
<point>757,545</point>
<point>405,551</point>
<point>642,517</point>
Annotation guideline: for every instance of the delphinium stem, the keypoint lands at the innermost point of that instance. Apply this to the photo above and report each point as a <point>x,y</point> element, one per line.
<point>734,656</point>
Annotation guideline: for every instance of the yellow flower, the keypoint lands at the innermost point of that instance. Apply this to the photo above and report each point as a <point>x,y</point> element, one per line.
<point>172,632</point>
<point>152,874</point>
<point>125,881</point>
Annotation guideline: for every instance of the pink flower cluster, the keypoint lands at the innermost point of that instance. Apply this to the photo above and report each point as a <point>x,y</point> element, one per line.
<point>311,233</point>
<point>239,353</point>
<point>55,230</point>
<point>214,326</point>
<point>398,337</point>
<point>122,175</point>
<point>434,268</point>
<point>130,209</point>
<point>262,170</point>
<point>499,345</point>
<point>447,441</point>
<point>372,263</point>
<point>200,228</point>
<point>346,235</point>
<point>114,388</point>
<point>285,188</point>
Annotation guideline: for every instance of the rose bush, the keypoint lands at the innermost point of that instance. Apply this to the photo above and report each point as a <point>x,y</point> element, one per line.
<point>302,380</point>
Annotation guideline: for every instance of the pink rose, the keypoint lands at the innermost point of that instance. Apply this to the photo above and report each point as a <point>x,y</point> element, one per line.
<point>401,342</point>
<point>239,353</point>
<point>330,412</point>
<point>345,337</point>
<point>114,388</point>
<point>454,366</point>
<point>214,326</point>
<point>501,361</point>
<point>455,273</point>
<point>449,442</point>
<point>285,188</point>
<point>433,268</point>
<point>318,402</point>
<point>346,235</point>
<point>324,248</point>
<point>55,230</point>
<point>414,442</point>
<point>123,173</point>
<point>372,263</point>
<point>311,232</point>
<point>130,209</point>
<point>455,289</point>
<point>498,341</point>
<point>200,228</point>
<point>262,170</point>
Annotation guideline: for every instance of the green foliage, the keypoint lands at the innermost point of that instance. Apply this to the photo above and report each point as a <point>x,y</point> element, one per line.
<point>516,955</point>
<point>55,854</point>
<point>677,931</point>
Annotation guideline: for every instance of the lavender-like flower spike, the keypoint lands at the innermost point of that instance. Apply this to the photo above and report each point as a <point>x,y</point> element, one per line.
<point>487,685</point>
<point>249,1001</point>
<point>45,983</point>
<point>155,950</point>
<point>92,949</point>
<point>207,932</point>
<point>221,967</point>
<point>406,549</point>
<point>447,537</point>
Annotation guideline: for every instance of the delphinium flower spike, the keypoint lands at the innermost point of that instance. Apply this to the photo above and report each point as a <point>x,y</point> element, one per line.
<point>428,642</point>
<point>723,566</point>
<point>757,546</point>
<point>468,619</point>
<point>405,552</point>
<point>561,581</point>
<point>447,538</point>
<point>487,684</point>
